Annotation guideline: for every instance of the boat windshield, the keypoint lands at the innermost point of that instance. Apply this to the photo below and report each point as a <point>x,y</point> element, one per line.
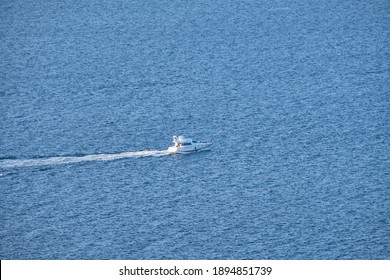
<point>185,144</point>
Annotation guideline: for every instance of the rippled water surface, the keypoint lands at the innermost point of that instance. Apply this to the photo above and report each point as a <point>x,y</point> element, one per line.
<point>294,94</point>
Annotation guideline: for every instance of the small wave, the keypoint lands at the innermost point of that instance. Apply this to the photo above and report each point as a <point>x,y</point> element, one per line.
<point>15,163</point>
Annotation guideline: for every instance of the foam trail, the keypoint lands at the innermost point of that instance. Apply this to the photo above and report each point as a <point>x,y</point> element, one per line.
<point>15,163</point>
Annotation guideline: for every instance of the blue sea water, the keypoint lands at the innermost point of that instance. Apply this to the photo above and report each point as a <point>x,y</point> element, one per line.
<point>294,94</point>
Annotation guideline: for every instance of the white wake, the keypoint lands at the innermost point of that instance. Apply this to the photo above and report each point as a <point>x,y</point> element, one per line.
<point>14,163</point>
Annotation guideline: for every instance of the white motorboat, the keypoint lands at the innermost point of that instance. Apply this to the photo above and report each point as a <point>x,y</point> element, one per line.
<point>185,145</point>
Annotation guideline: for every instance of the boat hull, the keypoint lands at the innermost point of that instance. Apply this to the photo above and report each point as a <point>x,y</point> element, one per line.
<point>189,149</point>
